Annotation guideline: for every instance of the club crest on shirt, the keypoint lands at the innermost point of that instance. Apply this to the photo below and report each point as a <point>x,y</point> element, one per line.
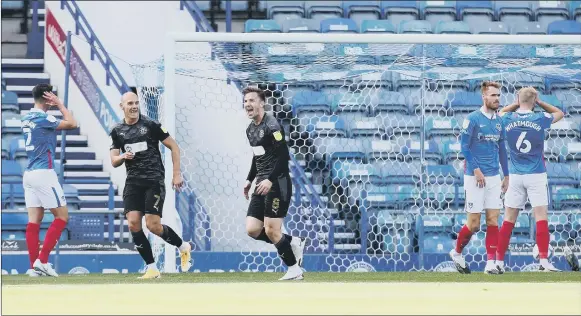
<point>143,130</point>
<point>498,128</point>
<point>261,133</point>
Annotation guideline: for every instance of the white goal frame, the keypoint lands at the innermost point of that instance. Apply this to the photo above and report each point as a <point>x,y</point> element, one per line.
<point>171,216</point>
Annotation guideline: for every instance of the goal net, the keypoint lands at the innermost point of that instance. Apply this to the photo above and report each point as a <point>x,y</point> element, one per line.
<point>373,128</point>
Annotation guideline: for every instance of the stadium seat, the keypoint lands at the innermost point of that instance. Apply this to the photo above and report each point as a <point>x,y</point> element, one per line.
<point>351,171</point>
<point>300,25</point>
<point>465,102</point>
<point>310,101</point>
<point>442,127</point>
<point>321,10</point>
<point>338,25</point>
<point>441,223</point>
<point>436,11</point>
<point>12,195</point>
<point>367,128</point>
<point>397,241</point>
<point>17,149</point>
<point>529,28</point>
<point>398,11</point>
<point>567,198</point>
<point>455,27</point>
<point>261,26</point>
<point>412,150</point>
<point>11,123</point>
<point>474,12</point>
<point>562,174</point>
<point>491,28</point>
<point>383,149</point>
<point>359,11</point>
<point>564,27</point>
<point>452,150</point>
<point>514,12</point>
<point>547,12</point>
<point>390,102</point>
<point>281,11</point>
<point>565,128</point>
<point>377,26</point>
<point>575,10</point>
<point>442,174</point>
<point>397,172</point>
<point>413,27</point>
<point>438,243</point>
<point>10,102</point>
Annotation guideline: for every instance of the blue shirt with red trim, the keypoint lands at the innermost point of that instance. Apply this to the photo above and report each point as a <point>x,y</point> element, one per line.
<point>39,131</point>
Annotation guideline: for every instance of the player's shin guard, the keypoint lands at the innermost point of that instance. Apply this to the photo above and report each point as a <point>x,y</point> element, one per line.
<point>543,239</point>
<point>504,239</point>
<point>32,241</point>
<point>170,236</point>
<point>463,238</point>
<point>143,246</point>
<point>285,251</point>
<point>491,242</point>
<point>53,234</point>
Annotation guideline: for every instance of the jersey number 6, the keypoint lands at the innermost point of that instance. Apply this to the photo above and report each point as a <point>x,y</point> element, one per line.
<point>522,141</point>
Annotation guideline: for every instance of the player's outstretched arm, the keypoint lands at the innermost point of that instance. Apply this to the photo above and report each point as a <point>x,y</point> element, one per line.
<point>68,121</point>
<point>171,144</point>
<point>555,111</point>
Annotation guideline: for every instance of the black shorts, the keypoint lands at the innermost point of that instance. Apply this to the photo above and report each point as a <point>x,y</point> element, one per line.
<point>275,203</point>
<point>146,197</point>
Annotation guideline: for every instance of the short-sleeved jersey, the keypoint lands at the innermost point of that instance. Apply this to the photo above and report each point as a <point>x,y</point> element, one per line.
<point>264,139</point>
<point>525,134</point>
<point>482,135</point>
<point>142,139</point>
<point>39,132</point>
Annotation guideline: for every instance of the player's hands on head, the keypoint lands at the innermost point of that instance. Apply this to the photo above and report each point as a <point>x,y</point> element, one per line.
<point>263,187</point>
<point>247,186</point>
<point>177,181</point>
<point>53,100</point>
<point>128,155</point>
<point>480,180</point>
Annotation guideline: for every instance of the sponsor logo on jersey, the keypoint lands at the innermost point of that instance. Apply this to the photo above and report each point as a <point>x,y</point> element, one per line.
<point>163,129</point>
<point>277,136</point>
<point>360,266</point>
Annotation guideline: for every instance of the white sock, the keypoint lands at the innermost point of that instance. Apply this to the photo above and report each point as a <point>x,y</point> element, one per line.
<point>152,266</point>
<point>183,247</point>
<point>500,263</point>
<point>490,262</point>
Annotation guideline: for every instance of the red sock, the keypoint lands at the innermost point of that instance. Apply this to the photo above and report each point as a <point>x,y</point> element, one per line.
<point>491,242</point>
<point>504,239</point>
<point>32,242</point>
<point>543,239</point>
<point>463,238</point>
<point>52,236</point>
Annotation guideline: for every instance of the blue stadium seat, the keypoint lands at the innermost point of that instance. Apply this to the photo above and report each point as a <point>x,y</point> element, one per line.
<point>12,5</point>
<point>284,10</point>
<point>359,11</point>
<point>338,25</point>
<point>341,148</point>
<point>465,102</point>
<point>320,10</point>
<point>572,151</point>
<point>352,171</point>
<point>566,128</point>
<point>455,27</point>
<point>12,196</point>
<point>310,101</point>
<point>414,27</point>
<point>529,28</point>
<point>300,25</point>
<point>397,11</point>
<point>367,128</point>
<point>474,12</point>
<point>399,173</point>
<point>11,123</point>
<point>397,241</point>
<point>383,149</point>
<point>441,223</point>
<point>547,12</point>
<point>452,150</point>
<point>567,198</point>
<point>562,174</point>
<point>491,28</point>
<point>377,26</point>
<point>514,12</point>
<point>436,11</point>
<point>10,102</point>
<point>11,172</point>
<point>442,174</point>
<point>330,126</point>
<point>261,26</point>
<point>382,196</point>
<point>575,8</point>
<point>564,27</point>
<point>442,127</point>
<point>17,149</point>
<point>390,101</point>
<point>412,149</point>
<point>438,243</point>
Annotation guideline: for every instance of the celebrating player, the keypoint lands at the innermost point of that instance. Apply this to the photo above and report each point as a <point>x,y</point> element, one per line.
<point>525,134</point>
<point>42,189</point>
<point>482,143</point>
<point>138,138</point>
<point>271,199</point>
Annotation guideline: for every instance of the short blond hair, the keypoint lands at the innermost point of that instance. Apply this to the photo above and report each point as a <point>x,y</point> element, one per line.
<point>486,84</point>
<point>527,95</point>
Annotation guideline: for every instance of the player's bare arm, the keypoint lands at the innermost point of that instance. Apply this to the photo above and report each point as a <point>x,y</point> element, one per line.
<point>171,144</point>
<point>68,121</point>
<point>118,159</point>
<point>549,108</point>
<point>509,108</point>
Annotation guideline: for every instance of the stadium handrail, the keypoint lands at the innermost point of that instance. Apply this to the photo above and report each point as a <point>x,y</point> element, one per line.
<point>112,73</point>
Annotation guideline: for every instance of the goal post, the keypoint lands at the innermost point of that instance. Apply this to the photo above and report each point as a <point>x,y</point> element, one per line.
<point>361,112</point>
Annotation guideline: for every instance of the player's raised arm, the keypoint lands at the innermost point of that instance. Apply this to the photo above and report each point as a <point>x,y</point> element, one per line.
<point>68,121</point>
<point>509,108</point>
<point>553,110</point>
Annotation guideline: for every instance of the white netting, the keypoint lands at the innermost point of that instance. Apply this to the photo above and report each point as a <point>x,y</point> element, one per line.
<point>355,117</point>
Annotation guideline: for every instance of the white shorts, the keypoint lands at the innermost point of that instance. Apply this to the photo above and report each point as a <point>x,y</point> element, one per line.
<point>42,189</point>
<point>535,187</point>
<point>478,199</point>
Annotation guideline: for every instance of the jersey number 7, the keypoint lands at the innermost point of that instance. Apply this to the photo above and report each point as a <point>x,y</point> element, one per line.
<point>28,134</point>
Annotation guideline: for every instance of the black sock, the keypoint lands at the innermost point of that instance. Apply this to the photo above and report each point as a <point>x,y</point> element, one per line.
<point>285,251</point>
<point>170,236</point>
<point>262,236</point>
<point>143,246</point>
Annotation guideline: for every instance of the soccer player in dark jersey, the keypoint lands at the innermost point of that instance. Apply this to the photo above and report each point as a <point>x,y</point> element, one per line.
<point>271,198</point>
<point>135,142</point>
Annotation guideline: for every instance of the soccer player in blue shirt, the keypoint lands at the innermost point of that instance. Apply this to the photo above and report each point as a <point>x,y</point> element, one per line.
<point>525,135</point>
<point>42,189</point>
<point>482,143</point>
